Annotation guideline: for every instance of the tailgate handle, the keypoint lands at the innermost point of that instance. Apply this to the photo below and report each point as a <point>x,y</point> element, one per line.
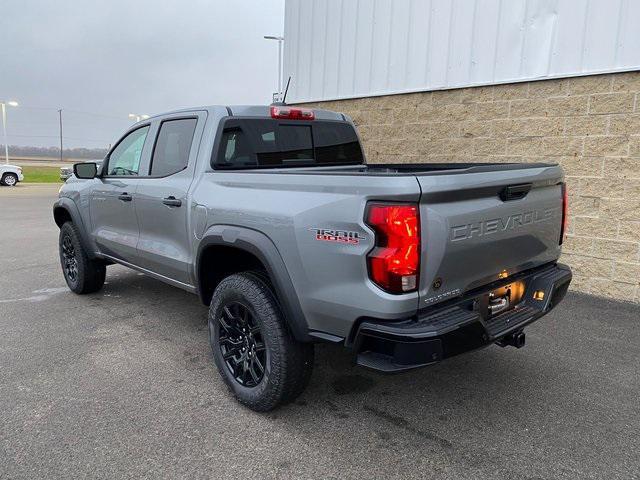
<point>515,192</point>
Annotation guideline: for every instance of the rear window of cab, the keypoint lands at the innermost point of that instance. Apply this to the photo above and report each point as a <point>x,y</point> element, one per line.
<point>272,143</point>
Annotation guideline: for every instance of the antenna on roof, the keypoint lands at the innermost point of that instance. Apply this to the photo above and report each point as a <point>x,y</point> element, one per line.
<point>284,97</point>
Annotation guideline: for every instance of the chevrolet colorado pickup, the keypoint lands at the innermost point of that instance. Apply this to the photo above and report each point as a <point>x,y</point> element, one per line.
<point>272,217</point>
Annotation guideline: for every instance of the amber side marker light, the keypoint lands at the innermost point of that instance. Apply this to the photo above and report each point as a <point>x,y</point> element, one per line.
<point>503,274</point>
<point>538,295</point>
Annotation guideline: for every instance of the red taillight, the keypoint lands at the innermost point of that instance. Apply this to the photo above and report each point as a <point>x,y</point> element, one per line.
<point>565,212</point>
<point>395,260</point>
<point>292,113</point>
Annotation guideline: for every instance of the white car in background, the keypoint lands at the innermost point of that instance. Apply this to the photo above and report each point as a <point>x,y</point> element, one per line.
<point>10,175</point>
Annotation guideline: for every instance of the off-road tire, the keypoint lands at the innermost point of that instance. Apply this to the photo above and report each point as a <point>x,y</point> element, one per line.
<point>10,179</point>
<point>89,274</point>
<point>289,362</point>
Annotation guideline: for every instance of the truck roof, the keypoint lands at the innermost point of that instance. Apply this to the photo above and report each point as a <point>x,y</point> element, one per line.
<point>252,111</point>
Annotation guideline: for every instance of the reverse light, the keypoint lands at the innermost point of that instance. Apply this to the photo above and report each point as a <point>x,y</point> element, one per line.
<point>394,262</point>
<point>291,113</point>
<point>565,212</point>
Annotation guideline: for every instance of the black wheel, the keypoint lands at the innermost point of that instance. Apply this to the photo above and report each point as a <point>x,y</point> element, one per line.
<point>9,179</point>
<point>82,274</point>
<point>256,355</point>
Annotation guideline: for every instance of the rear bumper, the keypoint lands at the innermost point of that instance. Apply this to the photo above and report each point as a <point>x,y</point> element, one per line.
<point>459,326</point>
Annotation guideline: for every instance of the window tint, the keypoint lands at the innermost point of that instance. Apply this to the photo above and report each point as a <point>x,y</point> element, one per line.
<point>171,153</point>
<point>125,158</point>
<point>250,143</point>
<point>336,143</point>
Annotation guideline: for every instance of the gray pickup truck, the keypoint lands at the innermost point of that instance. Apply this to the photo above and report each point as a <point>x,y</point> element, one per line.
<point>272,217</point>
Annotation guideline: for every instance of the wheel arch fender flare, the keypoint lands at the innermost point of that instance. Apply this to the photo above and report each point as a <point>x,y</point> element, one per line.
<point>69,206</point>
<point>262,247</point>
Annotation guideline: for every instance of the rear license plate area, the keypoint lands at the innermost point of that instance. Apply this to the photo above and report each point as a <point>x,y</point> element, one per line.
<point>500,300</point>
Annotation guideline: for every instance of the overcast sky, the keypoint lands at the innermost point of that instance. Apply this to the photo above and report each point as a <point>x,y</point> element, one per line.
<point>115,57</point>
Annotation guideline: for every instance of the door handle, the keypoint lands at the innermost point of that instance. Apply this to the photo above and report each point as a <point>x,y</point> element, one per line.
<point>125,197</point>
<point>172,201</point>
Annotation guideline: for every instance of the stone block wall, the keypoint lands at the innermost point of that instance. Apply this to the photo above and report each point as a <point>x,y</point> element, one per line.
<point>590,125</point>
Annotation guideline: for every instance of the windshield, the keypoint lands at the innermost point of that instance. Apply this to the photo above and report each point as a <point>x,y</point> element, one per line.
<point>264,143</point>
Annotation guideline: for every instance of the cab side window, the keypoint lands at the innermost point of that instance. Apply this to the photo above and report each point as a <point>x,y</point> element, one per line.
<point>124,160</point>
<point>171,152</point>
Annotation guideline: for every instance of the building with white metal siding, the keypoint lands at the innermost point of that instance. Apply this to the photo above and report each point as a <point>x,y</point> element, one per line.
<point>352,48</point>
<point>493,80</point>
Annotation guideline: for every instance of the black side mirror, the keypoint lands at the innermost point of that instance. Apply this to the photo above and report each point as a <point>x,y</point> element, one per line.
<point>85,171</point>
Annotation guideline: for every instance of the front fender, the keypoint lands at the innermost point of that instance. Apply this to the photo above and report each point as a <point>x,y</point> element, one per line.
<point>261,246</point>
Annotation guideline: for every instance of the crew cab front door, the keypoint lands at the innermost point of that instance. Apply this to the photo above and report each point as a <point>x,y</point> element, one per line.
<point>113,199</point>
<point>162,198</point>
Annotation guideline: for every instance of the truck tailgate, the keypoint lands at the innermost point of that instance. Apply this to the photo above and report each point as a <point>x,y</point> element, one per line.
<point>480,227</point>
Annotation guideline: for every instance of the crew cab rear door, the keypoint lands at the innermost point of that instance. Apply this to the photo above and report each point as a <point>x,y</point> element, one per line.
<point>486,223</point>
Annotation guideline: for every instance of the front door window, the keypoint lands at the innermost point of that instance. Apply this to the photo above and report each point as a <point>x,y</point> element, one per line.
<point>124,160</point>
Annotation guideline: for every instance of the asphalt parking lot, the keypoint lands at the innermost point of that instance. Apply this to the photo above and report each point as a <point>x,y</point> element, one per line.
<point>121,384</point>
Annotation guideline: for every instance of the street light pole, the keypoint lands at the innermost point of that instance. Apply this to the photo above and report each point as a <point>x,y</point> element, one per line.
<point>60,116</point>
<point>280,67</point>
<point>3,105</point>
<point>279,40</point>
<point>4,129</point>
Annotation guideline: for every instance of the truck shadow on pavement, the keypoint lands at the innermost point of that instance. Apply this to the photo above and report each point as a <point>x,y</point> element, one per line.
<point>473,411</point>
<point>336,380</point>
